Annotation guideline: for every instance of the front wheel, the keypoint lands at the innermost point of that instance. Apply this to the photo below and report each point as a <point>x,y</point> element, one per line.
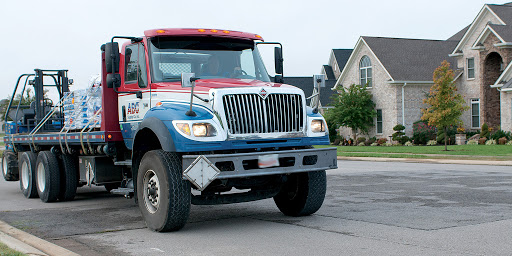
<point>163,196</point>
<point>302,194</point>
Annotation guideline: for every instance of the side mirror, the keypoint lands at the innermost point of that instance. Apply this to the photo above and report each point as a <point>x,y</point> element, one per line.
<point>112,57</point>
<point>113,80</point>
<point>319,81</point>
<point>278,60</point>
<point>187,80</point>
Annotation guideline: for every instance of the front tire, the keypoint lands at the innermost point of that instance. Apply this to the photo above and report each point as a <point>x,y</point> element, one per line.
<point>47,176</point>
<point>10,166</point>
<point>163,196</point>
<point>27,167</point>
<point>303,194</point>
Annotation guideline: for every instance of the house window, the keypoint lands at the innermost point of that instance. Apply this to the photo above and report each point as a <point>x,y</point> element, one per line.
<point>475,113</point>
<point>379,121</point>
<point>471,68</point>
<point>365,71</point>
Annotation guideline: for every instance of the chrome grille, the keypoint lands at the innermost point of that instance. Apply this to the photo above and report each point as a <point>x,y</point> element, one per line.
<point>250,113</point>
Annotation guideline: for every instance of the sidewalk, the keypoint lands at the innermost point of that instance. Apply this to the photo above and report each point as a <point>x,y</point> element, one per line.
<point>29,244</point>
<point>433,161</point>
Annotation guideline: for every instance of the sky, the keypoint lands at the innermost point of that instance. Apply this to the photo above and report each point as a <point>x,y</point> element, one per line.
<point>68,34</point>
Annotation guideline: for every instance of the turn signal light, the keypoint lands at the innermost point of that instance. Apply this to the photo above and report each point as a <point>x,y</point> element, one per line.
<point>158,104</point>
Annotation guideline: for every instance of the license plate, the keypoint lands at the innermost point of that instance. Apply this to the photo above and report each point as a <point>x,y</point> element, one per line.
<point>266,161</point>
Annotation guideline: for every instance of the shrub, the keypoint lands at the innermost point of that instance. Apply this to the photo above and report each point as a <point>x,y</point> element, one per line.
<point>502,141</point>
<point>422,132</point>
<point>361,140</point>
<point>473,142</point>
<point>509,143</point>
<point>485,131</point>
<point>470,134</point>
<point>482,141</point>
<point>374,144</point>
<point>382,141</point>
<point>501,134</point>
<point>432,143</point>
<point>451,135</point>
<point>408,143</point>
<point>399,134</point>
<point>388,144</point>
<point>460,130</point>
<point>490,142</point>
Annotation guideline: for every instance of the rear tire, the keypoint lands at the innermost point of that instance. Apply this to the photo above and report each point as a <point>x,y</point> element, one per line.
<point>163,196</point>
<point>68,177</point>
<point>27,167</point>
<point>303,194</point>
<point>47,176</point>
<point>10,166</point>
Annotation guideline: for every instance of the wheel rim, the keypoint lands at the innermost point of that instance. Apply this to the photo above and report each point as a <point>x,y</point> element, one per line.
<point>41,178</point>
<point>151,187</point>
<point>25,175</point>
<point>4,166</point>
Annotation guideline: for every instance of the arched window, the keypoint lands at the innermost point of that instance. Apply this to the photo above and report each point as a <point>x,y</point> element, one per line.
<point>365,71</point>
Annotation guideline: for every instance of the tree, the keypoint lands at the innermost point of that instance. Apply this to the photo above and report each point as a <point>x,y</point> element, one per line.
<point>445,104</point>
<point>353,108</point>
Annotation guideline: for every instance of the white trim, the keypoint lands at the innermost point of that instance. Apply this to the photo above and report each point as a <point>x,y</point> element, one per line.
<point>507,73</point>
<point>410,82</point>
<point>351,60</point>
<point>472,27</point>
<point>503,45</point>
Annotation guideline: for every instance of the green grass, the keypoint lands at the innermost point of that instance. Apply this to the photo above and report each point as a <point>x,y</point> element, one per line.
<point>6,251</point>
<point>476,152</point>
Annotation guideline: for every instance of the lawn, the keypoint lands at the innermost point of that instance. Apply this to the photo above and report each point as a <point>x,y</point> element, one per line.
<point>489,152</point>
<point>6,251</point>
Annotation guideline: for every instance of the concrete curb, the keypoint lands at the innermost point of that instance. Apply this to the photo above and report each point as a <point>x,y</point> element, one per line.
<point>432,161</point>
<point>29,244</point>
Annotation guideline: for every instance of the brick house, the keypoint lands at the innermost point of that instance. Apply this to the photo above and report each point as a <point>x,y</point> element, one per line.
<point>398,72</point>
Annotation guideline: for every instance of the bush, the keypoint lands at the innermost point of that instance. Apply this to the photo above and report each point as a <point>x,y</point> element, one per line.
<point>388,144</point>
<point>374,144</point>
<point>451,135</point>
<point>432,143</point>
<point>361,140</point>
<point>382,141</point>
<point>408,143</point>
<point>482,141</point>
<point>502,141</point>
<point>333,134</point>
<point>470,134</point>
<point>509,143</point>
<point>473,142</point>
<point>484,133</point>
<point>500,134</point>
<point>361,144</point>
<point>399,134</point>
<point>490,142</point>
<point>422,132</point>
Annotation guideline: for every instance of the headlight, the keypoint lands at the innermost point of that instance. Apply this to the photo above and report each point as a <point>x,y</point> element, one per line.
<point>204,130</point>
<point>317,126</point>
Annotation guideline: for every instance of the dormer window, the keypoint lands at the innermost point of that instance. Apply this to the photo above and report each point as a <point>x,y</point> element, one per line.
<point>365,71</point>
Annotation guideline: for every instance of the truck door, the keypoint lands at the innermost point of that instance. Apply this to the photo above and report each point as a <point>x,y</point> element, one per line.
<point>133,106</point>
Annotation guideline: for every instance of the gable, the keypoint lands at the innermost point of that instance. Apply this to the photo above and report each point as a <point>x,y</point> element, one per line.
<point>353,61</point>
<point>485,16</point>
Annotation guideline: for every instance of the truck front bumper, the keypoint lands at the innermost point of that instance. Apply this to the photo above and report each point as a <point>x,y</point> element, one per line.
<point>303,160</point>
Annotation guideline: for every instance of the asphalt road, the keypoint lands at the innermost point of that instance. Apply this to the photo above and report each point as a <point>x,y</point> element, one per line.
<point>372,208</point>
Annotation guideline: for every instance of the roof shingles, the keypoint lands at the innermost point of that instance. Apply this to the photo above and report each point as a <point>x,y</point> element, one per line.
<point>411,59</point>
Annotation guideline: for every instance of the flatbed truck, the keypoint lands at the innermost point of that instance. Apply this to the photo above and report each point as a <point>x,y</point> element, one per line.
<point>186,116</point>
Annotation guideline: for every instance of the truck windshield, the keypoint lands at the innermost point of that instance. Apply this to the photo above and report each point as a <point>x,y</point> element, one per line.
<point>208,58</point>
